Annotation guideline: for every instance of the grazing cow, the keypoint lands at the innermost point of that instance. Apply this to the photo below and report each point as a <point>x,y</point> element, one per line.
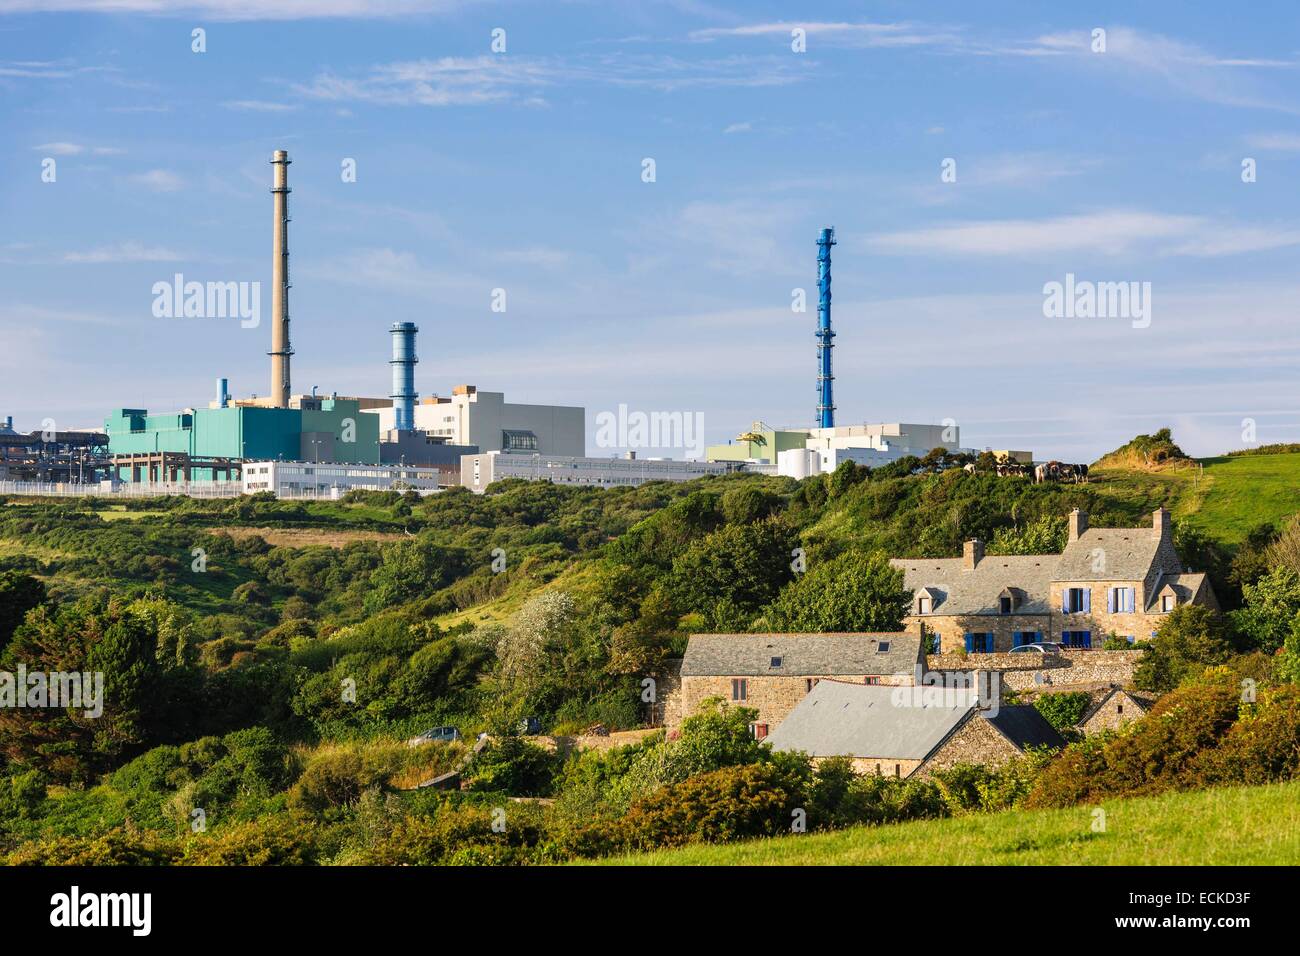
<point>1041,473</point>
<point>1082,473</point>
<point>969,468</point>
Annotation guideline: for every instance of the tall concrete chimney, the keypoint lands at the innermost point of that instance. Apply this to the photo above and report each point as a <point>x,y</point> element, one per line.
<point>280,347</point>
<point>1078,524</point>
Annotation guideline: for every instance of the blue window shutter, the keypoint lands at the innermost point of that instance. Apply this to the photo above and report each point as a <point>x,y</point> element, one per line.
<point>970,642</point>
<point>1087,639</point>
<point>1016,639</point>
<point>1065,601</point>
<point>1087,599</point>
<point>1110,600</point>
<point>1130,595</point>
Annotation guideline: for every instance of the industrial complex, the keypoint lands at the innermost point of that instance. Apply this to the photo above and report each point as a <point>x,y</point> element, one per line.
<point>295,444</point>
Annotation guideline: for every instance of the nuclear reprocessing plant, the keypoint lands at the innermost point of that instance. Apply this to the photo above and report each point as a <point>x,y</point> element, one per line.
<point>213,443</point>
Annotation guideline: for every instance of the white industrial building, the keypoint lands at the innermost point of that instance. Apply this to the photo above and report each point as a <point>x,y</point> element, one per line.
<point>479,471</point>
<point>487,420</point>
<point>301,479</point>
<point>896,440</point>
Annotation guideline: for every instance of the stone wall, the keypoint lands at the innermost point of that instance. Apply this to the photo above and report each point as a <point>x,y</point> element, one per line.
<point>1022,672</point>
<point>885,766</point>
<point>668,695</point>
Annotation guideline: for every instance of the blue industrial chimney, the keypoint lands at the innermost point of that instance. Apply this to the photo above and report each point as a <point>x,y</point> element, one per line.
<point>403,363</point>
<point>826,405</point>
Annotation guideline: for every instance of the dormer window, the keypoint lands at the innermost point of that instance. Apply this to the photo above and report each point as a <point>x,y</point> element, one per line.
<point>1167,603</point>
<point>923,605</point>
<point>1004,605</point>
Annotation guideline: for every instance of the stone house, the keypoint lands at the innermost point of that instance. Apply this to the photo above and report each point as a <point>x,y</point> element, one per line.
<point>1120,581</point>
<point>773,672</point>
<point>902,731</point>
<point>1114,710</point>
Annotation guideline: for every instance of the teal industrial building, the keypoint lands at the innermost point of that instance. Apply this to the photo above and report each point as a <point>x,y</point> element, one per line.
<point>208,444</point>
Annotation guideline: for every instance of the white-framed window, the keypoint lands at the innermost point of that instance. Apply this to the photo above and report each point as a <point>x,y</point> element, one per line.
<point>1167,603</point>
<point>923,605</point>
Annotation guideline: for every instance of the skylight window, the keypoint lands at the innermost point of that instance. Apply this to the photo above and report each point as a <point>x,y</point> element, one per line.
<point>776,662</point>
<point>883,648</point>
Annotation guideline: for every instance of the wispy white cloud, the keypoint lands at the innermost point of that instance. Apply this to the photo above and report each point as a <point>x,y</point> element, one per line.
<point>44,69</point>
<point>1177,65</point>
<point>60,149</point>
<point>76,149</point>
<point>259,106</point>
<point>159,180</point>
<point>1275,142</point>
<point>1109,233</point>
<point>545,257</point>
<point>738,128</point>
<point>242,9</point>
<point>467,81</point>
<point>129,251</point>
<point>839,33</point>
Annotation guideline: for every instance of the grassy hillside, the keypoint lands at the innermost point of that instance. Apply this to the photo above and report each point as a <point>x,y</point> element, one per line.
<point>1238,825</point>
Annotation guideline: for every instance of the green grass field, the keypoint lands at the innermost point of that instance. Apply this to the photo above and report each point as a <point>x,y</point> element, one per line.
<point>1225,498</point>
<point>1231,826</point>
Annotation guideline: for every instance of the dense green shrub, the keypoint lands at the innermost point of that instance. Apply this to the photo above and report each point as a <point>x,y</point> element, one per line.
<point>1063,711</point>
<point>1190,639</point>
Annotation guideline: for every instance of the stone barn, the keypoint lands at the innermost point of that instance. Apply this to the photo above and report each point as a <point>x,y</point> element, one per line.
<point>1114,710</point>
<point>771,673</point>
<point>901,731</point>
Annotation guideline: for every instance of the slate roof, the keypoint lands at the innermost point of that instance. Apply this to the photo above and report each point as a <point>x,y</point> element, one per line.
<point>1140,699</point>
<point>976,591</point>
<point>801,655</point>
<point>1184,585</point>
<point>1025,727</point>
<point>867,720</point>
<point>1130,554</point>
<point>862,720</point>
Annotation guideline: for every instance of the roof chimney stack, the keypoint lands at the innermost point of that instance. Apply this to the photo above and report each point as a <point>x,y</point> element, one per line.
<point>1078,524</point>
<point>1160,523</point>
<point>972,553</point>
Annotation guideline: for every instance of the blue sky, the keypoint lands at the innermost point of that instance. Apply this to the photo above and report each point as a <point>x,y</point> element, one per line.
<point>523,170</point>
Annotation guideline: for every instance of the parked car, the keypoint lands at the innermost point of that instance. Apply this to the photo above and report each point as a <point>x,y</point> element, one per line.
<point>435,735</point>
<point>1038,647</point>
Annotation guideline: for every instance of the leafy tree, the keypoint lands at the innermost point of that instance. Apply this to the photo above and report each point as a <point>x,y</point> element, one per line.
<point>1270,607</point>
<point>845,476</point>
<point>853,592</point>
<point>515,766</point>
<point>411,569</point>
<point>1047,535</point>
<point>747,503</point>
<point>539,625</point>
<point>1190,639</point>
<point>1288,659</point>
<point>1063,711</point>
<point>19,593</point>
<point>729,575</point>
